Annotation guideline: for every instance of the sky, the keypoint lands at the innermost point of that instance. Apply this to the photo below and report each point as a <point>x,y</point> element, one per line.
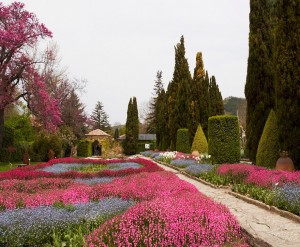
<point>118,46</point>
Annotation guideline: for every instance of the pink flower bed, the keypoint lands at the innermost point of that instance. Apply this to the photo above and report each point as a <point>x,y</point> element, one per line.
<point>189,219</point>
<point>144,186</point>
<point>259,175</point>
<point>31,172</point>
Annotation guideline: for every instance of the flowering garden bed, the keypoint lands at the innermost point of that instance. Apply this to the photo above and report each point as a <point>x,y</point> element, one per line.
<point>124,203</point>
<point>273,187</point>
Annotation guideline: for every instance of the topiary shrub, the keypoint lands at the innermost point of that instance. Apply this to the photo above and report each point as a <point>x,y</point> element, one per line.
<point>224,139</point>
<point>200,143</point>
<point>84,148</point>
<point>183,141</point>
<point>268,147</point>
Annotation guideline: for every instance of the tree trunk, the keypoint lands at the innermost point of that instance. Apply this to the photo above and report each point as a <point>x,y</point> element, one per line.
<point>1,126</point>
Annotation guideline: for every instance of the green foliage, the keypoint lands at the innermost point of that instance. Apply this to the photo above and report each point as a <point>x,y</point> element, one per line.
<point>8,136</point>
<point>287,79</point>
<point>223,139</point>
<point>84,148</point>
<point>130,144</point>
<point>259,88</point>
<point>43,143</point>
<point>268,147</point>
<point>216,106</point>
<point>178,94</point>
<point>200,143</point>
<point>16,155</point>
<point>116,134</point>
<point>183,141</point>
<point>233,104</point>
<point>100,118</point>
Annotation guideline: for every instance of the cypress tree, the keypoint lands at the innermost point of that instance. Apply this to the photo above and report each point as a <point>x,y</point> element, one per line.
<point>116,135</point>
<point>287,76</point>
<point>200,142</point>
<point>160,119</point>
<point>135,119</point>
<point>200,97</point>
<point>178,94</point>
<point>216,106</point>
<point>259,88</point>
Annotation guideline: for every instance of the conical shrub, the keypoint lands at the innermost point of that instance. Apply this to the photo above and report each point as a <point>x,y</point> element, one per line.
<point>200,142</point>
<point>268,147</point>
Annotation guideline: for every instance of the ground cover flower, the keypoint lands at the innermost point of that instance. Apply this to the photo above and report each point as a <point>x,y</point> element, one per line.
<point>34,226</point>
<point>189,219</point>
<point>143,186</point>
<point>197,169</point>
<point>92,181</point>
<point>183,163</point>
<point>31,172</point>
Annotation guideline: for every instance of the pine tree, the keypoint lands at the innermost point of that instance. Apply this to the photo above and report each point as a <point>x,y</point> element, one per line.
<point>72,114</point>
<point>259,88</point>
<point>216,106</point>
<point>151,118</point>
<point>100,118</point>
<point>287,76</point>
<point>178,94</point>
<point>130,144</point>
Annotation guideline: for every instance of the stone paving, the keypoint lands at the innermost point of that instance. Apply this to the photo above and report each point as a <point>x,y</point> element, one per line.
<point>272,228</point>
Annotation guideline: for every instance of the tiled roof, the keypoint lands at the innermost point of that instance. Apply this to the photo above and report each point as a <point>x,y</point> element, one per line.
<point>97,132</point>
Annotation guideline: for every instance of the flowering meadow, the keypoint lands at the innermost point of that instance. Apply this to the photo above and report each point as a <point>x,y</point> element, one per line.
<point>132,202</point>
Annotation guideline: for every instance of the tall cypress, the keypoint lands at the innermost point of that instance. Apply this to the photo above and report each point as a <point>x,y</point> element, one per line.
<point>287,76</point>
<point>216,106</point>
<point>259,88</point>
<point>160,120</point>
<point>179,94</point>
<point>200,97</point>
<point>132,128</point>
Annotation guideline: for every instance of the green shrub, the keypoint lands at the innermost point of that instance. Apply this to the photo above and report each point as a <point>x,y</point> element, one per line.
<point>268,147</point>
<point>200,143</point>
<point>183,141</point>
<point>16,156</point>
<point>84,148</point>
<point>42,144</point>
<point>224,139</point>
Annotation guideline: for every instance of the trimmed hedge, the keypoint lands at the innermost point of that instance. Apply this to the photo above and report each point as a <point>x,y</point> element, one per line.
<point>200,143</point>
<point>268,147</point>
<point>224,139</point>
<point>84,148</point>
<point>183,141</point>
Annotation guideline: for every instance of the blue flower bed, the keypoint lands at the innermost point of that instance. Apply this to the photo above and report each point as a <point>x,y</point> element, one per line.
<point>147,153</point>
<point>92,181</point>
<point>154,155</point>
<point>197,169</point>
<point>183,163</point>
<point>65,167</point>
<point>123,165</point>
<point>288,197</point>
<point>33,226</point>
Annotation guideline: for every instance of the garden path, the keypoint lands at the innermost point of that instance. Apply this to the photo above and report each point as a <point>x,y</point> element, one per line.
<point>270,227</point>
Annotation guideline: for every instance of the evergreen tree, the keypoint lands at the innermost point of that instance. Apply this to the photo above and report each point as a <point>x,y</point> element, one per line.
<point>100,118</point>
<point>268,147</point>
<point>116,135</point>
<point>130,144</point>
<point>259,88</point>
<point>287,76</point>
<point>160,114</point>
<point>200,97</point>
<point>216,106</point>
<point>200,142</point>
<point>73,115</point>
<point>151,118</point>
<point>178,94</point>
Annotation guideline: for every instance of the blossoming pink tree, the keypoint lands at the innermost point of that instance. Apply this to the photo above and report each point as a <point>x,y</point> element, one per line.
<point>20,31</point>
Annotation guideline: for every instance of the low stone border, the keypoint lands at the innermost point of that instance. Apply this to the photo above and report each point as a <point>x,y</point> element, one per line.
<point>254,241</point>
<point>247,199</point>
<point>260,204</point>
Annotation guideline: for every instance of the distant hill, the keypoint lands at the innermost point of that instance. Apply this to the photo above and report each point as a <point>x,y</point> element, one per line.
<point>234,106</point>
